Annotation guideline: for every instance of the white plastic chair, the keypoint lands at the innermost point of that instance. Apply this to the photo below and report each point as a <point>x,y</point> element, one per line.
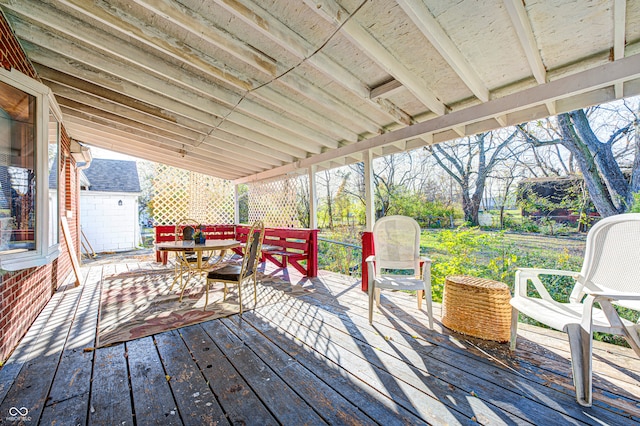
<point>610,275</point>
<point>397,246</point>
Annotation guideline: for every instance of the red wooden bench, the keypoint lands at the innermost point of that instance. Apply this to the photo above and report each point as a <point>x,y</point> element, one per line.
<point>297,247</point>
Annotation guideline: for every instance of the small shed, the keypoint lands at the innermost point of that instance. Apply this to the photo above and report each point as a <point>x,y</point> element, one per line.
<point>109,205</point>
<point>559,192</point>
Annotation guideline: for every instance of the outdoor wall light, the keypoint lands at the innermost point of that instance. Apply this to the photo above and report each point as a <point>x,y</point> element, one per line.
<point>119,202</point>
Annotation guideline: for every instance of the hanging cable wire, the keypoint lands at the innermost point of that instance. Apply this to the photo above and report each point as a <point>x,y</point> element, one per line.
<point>282,74</point>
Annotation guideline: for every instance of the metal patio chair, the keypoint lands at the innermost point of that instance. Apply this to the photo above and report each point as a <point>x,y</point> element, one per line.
<point>238,274</point>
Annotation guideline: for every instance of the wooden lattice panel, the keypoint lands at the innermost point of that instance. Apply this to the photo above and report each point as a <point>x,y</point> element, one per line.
<point>274,201</point>
<point>180,194</point>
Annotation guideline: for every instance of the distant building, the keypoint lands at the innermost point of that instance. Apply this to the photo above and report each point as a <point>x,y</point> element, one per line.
<point>556,190</point>
<point>109,205</point>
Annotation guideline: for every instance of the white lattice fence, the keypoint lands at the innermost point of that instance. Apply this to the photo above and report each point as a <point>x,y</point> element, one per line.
<point>181,194</point>
<point>275,201</point>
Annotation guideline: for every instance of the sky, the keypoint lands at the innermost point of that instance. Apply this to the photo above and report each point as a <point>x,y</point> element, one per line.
<point>110,155</point>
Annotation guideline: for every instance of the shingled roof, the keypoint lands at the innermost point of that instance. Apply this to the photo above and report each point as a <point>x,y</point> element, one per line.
<point>113,176</point>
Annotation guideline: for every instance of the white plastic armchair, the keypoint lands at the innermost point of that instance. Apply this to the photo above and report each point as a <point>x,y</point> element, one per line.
<point>397,246</point>
<point>610,276</point>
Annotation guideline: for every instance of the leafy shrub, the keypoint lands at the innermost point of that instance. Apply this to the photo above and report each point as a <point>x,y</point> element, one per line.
<point>526,225</point>
<point>635,207</point>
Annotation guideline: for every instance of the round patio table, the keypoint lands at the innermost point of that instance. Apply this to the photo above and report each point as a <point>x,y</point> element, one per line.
<point>191,246</point>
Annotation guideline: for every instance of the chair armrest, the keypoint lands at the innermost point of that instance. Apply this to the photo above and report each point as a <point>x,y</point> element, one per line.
<point>426,269</point>
<point>613,296</point>
<point>533,274</point>
<point>543,271</point>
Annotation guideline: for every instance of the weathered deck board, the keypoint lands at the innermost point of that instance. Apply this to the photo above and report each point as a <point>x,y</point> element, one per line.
<point>313,359</point>
<point>196,402</point>
<point>406,384</point>
<point>332,406</point>
<point>532,359</point>
<point>234,394</point>
<point>110,402</point>
<point>153,401</point>
<point>40,356</point>
<point>286,406</point>
<point>614,371</point>
<point>364,395</point>
<point>450,367</point>
<point>69,395</point>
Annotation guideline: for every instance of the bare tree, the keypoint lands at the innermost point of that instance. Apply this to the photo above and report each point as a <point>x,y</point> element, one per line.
<point>469,161</point>
<point>325,179</point>
<point>502,181</point>
<point>600,150</point>
<point>392,176</point>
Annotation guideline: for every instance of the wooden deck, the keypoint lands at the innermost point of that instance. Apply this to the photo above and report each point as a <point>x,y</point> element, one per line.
<point>309,360</point>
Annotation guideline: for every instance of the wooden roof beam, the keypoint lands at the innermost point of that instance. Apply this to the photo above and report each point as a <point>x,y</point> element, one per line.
<point>199,26</point>
<point>386,89</point>
<point>520,21</point>
<point>175,159</point>
<point>218,150</point>
<point>232,133</point>
<point>124,23</point>
<point>107,138</point>
<point>204,29</point>
<point>531,99</point>
<point>429,26</point>
<point>619,25</point>
<point>113,46</point>
<point>104,99</point>
<point>333,12</point>
<point>158,92</point>
<point>268,25</point>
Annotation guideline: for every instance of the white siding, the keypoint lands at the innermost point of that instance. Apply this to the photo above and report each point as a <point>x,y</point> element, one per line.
<point>107,225</point>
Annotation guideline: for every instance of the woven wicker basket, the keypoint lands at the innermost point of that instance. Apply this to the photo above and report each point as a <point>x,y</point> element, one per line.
<point>477,307</point>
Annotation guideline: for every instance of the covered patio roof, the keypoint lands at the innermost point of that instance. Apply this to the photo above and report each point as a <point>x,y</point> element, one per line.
<point>245,90</point>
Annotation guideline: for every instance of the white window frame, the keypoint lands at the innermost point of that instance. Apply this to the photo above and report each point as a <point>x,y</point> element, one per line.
<point>45,252</point>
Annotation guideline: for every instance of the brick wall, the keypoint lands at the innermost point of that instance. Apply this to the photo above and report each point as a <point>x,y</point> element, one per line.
<point>23,294</point>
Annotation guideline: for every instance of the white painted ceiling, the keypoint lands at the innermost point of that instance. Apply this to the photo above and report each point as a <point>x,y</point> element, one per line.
<point>245,90</point>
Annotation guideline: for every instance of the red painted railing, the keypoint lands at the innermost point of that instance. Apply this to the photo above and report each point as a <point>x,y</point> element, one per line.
<point>367,250</point>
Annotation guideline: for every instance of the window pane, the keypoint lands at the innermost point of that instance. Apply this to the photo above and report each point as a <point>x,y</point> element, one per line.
<point>17,169</point>
<point>54,167</point>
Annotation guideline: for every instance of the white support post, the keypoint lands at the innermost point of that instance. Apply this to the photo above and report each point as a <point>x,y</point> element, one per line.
<point>370,210</point>
<point>236,202</point>
<point>313,198</point>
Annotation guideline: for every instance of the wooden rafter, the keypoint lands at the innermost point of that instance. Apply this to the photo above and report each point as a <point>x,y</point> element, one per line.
<point>429,26</point>
<point>522,26</point>
<point>333,12</point>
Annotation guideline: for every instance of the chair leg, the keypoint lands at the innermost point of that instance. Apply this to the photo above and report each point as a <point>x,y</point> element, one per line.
<point>206,295</point>
<point>632,338</point>
<point>514,329</point>
<point>184,286</point>
<point>255,291</point>
<point>371,295</point>
<point>580,344</point>
<point>420,295</point>
<point>240,296</point>
<point>429,298</point>
<point>377,295</point>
